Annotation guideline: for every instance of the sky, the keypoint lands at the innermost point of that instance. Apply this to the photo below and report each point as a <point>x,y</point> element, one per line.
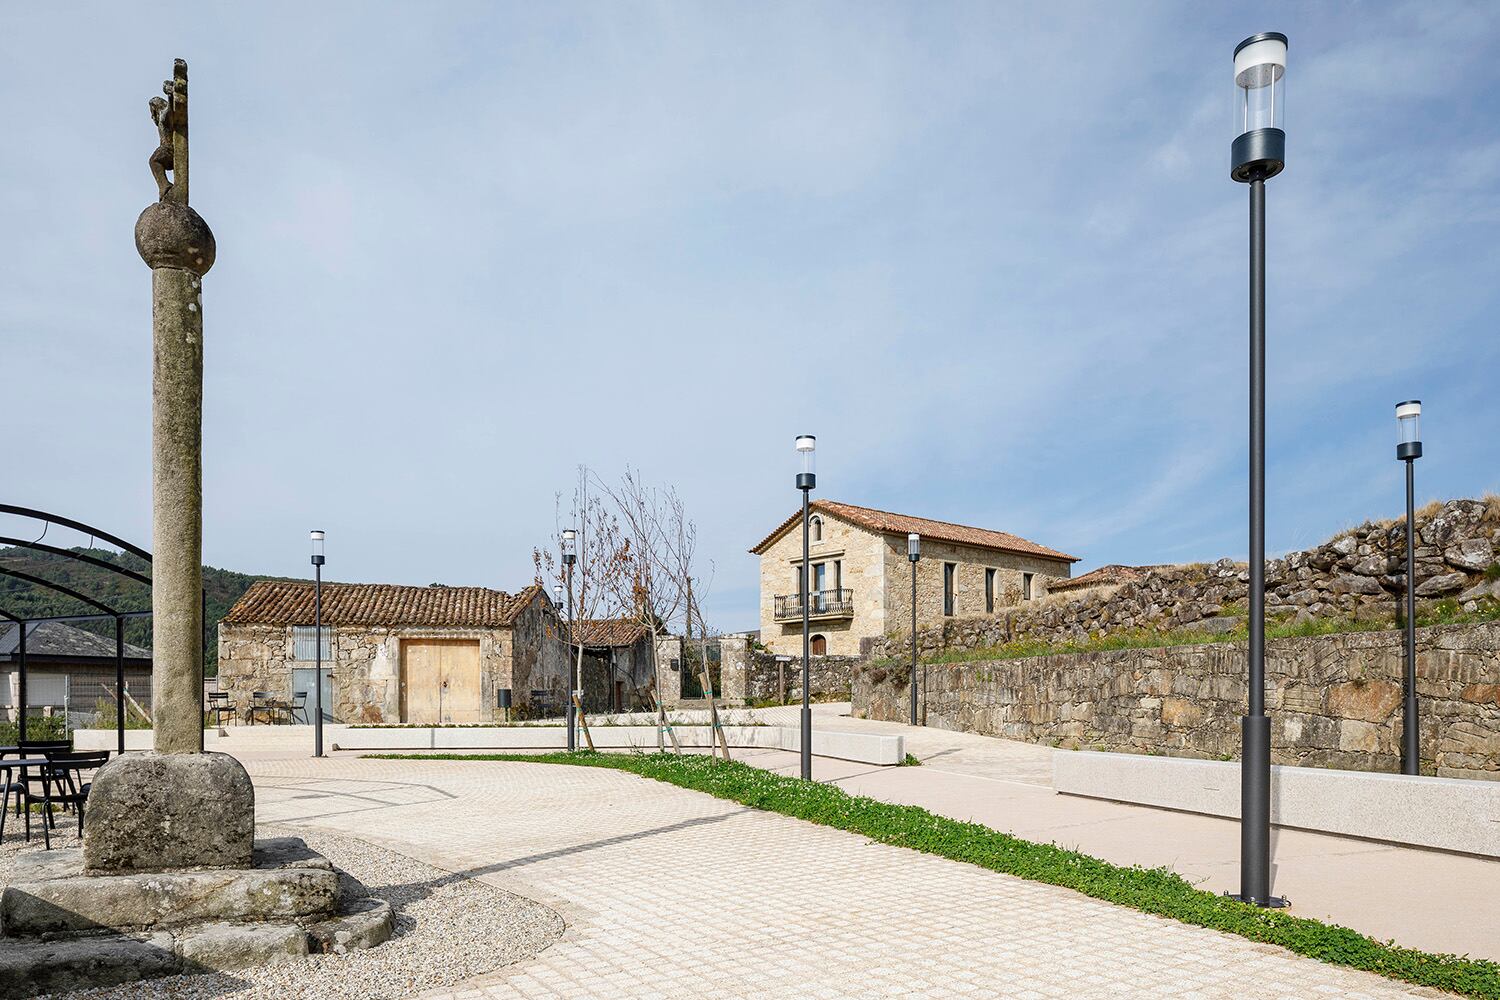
<point>990,254</point>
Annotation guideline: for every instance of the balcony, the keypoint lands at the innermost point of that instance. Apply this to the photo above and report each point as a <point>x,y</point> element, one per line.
<point>825,604</point>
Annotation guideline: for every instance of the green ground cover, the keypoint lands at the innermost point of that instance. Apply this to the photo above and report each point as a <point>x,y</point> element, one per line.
<point>1150,890</point>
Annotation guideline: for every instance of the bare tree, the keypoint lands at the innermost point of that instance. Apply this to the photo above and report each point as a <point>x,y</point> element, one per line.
<point>679,551</point>
<point>593,587</point>
<point>647,584</point>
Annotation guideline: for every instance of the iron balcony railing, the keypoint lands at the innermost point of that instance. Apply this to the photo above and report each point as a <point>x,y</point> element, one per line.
<point>825,604</point>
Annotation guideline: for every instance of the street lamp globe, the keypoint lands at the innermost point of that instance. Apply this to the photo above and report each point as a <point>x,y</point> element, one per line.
<point>1409,430</point>
<point>317,547</point>
<point>1259,149</point>
<point>807,446</point>
<point>913,546</point>
<point>557,593</point>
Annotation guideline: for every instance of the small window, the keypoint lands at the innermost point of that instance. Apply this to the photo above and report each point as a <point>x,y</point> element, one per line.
<point>1025,586</point>
<point>304,643</point>
<point>819,645</point>
<point>815,529</point>
<point>949,571</point>
<point>989,591</point>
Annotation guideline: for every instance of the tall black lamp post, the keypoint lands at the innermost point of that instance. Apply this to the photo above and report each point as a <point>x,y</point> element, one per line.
<point>1258,153</point>
<point>569,557</point>
<point>317,562</point>
<point>806,479</point>
<point>1408,450</point>
<point>913,553</point>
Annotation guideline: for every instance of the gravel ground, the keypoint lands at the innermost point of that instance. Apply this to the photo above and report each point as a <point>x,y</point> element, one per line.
<point>448,929</point>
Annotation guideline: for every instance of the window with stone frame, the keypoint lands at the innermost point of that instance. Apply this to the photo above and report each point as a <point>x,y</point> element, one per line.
<point>950,571</point>
<point>815,529</point>
<point>305,643</point>
<point>989,590</point>
<point>1026,586</point>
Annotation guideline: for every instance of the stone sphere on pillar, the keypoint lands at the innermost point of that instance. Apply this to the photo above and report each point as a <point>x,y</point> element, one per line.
<point>169,234</point>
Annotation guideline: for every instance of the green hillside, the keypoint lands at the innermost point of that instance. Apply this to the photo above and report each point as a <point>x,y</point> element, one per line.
<point>224,587</point>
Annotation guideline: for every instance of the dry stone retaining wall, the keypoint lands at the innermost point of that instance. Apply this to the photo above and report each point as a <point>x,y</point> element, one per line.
<point>1359,573</point>
<point>1334,701</point>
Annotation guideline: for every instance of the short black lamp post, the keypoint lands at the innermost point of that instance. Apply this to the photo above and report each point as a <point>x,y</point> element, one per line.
<point>569,557</point>
<point>913,553</point>
<point>1408,450</point>
<point>317,562</point>
<point>807,478</point>
<point>1257,154</point>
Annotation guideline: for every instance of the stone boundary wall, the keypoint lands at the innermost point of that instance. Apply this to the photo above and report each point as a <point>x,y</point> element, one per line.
<point>831,677</point>
<point>1334,701</point>
<point>1358,573</point>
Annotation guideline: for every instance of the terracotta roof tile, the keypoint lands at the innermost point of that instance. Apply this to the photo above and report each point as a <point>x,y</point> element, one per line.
<point>290,602</point>
<point>1104,576</point>
<point>887,522</point>
<point>609,631</point>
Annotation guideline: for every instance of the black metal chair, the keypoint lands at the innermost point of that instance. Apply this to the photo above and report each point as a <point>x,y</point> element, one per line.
<point>219,706</point>
<point>262,703</point>
<point>72,777</point>
<point>9,784</point>
<point>40,748</point>
<point>298,707</point>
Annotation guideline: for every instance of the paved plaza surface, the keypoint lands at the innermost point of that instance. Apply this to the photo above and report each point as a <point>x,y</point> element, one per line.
<point>672,893</point>
<point>1433,900</point>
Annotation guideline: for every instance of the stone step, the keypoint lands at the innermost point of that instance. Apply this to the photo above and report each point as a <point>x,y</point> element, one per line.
<point>33,966</point>
<point>29,968</point>
<point>52,895</point>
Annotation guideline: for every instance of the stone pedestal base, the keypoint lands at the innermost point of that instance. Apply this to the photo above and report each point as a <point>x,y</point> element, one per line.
<point>169,812</point>
<point>63,930</point>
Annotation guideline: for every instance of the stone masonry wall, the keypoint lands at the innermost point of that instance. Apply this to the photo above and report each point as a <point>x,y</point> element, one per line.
<point>1334,701</point>
<point>830,677</point>
<point>859,553</point>
<point>1358,573</point>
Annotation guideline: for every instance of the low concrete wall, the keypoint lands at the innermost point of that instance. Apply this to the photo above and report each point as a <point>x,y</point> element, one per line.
<point>862,748</point>
<point>1450,814</point>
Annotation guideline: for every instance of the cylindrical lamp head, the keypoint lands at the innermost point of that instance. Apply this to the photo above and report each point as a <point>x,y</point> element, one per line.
<point>913,546</point>
<point>1409,430</point>
<point>807,446</point>
<point>317,547</point>
<point>557,592</point>
<point>1259,149</point>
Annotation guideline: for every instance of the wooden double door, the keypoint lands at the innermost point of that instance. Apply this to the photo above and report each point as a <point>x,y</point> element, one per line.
<point>440,681</point>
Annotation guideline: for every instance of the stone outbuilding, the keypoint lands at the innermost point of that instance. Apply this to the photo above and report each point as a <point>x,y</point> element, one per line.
<point>420,655</point>
<point>861,579</point>
<point>617,667</point>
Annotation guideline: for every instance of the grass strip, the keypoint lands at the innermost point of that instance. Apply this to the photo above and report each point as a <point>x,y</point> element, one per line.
<point>1150,890</point>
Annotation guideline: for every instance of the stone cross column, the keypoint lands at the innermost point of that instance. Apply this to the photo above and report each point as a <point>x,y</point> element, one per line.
<point>176,808</point>
<point>179,248</point>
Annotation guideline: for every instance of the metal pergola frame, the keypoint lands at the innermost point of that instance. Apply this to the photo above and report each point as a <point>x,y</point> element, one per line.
<point>106,613</point>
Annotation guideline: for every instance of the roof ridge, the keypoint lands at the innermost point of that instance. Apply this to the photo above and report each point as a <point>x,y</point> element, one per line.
<point>919,517</point>
<point>960,534</point>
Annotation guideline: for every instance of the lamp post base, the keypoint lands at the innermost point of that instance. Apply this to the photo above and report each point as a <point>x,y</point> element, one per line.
<point>1270,903</point>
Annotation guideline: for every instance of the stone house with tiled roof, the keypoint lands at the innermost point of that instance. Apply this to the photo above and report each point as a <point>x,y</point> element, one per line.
<point>419,655</point>
<point>861,579</point>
